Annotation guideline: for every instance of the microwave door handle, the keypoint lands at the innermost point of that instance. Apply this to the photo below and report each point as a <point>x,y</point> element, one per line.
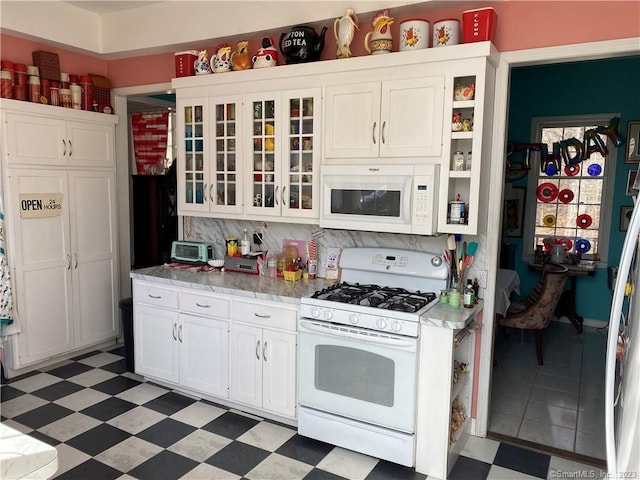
<point>394,342</point>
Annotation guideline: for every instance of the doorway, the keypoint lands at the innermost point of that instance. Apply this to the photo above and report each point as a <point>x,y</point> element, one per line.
<point>154,210</point>
<point>558,407</point>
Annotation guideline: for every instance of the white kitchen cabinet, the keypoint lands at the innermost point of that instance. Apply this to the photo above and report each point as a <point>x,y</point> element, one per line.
<point>443,381</point>
<point>263,358</point>
<point>395,118</point>
<point>182,337</point>
<point>474,143</point>
<point>48,141</point>
<point>210,156</point>
<point>61,228</point>
<point>193,156</point>
<point>156,342</point>
<point>203,334</point>
<point>65,265</point>
<point>284,141</point>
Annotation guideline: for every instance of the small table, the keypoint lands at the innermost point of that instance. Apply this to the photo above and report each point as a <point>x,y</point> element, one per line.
<point>567,304</point>
<point>507,281</point>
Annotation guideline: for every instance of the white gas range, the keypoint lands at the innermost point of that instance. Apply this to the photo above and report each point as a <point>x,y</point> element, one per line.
<point>358,347</point>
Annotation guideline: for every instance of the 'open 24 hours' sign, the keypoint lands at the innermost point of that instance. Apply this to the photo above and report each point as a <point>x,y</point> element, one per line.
<point>35,205</point>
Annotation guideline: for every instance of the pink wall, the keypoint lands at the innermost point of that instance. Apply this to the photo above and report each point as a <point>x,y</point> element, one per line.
<point>18,50</point>
<point>521,25</point>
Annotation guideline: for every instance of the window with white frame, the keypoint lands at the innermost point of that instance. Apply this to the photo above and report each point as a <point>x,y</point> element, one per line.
<point>573,205</point>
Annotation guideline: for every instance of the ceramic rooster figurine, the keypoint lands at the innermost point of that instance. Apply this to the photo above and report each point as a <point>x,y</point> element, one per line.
<point>222,61</point>
<point>240,59</point>
<point>344,29</point>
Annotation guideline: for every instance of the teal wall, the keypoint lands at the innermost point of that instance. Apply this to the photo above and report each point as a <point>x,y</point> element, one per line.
<point>599,86</point>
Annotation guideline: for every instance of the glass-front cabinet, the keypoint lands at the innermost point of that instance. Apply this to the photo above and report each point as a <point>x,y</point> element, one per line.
<point>193,156</point>
<point>285,159</point>
<point>226,150</point>
<point>263,195</point>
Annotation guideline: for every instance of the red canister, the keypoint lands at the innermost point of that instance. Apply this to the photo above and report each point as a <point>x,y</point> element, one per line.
<point>45,95</point>
<point>54,89</point>
<point>479,24</point>
<point>7,66</point>
<point>34,89</point>
<point>6,89</point>
<point>19,81</point>
<point>87,92</point>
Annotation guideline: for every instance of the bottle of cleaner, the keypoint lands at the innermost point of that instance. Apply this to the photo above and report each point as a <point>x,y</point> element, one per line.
<point>245,246</point>
<point>468,296</point>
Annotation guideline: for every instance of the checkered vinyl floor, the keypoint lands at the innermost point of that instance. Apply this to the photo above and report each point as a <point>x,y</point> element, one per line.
<point>107,423</point>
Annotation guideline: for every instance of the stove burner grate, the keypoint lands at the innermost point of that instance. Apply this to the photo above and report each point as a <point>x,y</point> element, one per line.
<point>389,298</point>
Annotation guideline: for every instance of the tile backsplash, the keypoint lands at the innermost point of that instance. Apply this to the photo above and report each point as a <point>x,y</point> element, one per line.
<point>215,230</point>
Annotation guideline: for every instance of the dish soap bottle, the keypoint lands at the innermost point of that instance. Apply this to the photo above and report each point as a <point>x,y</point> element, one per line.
<point>245,246</point>
<point>468,296</point>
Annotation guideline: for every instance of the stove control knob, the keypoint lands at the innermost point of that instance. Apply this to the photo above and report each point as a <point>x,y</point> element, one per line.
<point>381,323</point>
<point>315,312</point>
<point>328,315</point>
<point>354,319</point>
<point>396,326</point>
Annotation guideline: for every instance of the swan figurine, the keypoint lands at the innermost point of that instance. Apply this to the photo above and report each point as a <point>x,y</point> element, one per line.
<point>343,30</point>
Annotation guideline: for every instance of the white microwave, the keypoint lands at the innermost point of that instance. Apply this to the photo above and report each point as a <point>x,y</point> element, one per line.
<point>380,198</point>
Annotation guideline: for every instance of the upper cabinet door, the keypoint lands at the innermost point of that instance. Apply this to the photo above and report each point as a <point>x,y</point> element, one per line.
<point>264,141</point>
<point>397,118</point>
<point>301,157</point>
<point>226,144</point>
<point>352,120</point>
<point>90,144</point>
<point>193,156</point>
<point>36,140</point>
<point>411,117</point>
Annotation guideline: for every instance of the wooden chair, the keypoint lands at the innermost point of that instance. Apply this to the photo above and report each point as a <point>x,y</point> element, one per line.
<point>535,311</point>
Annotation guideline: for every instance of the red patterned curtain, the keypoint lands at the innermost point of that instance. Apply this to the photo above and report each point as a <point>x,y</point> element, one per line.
<point>150,131</point>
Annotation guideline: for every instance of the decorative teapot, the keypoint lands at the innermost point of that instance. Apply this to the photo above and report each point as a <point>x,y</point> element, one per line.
<point>201,64</point>
<point>240,59</point>
<point>267,56</point>
<point>379,40</point>
<point>302,44</point>
<point>221,62</point>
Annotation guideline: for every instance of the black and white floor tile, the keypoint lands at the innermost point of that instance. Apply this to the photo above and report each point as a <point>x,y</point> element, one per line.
<point>107,423</point>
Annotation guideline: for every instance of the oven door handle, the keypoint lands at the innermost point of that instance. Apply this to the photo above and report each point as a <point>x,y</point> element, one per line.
<point>395,342</point>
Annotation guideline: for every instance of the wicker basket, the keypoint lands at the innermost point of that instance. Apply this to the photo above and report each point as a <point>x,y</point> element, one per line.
<point>292,275</point>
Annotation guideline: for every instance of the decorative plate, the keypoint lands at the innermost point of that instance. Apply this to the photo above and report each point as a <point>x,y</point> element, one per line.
<point>583,245</point>
<point>565,242</point>
<point>547,192</point>
<point>584,221</point>
<point>565,195</point>
<point>594,170</point>
<point>549,220</point>
<point>572,170</point>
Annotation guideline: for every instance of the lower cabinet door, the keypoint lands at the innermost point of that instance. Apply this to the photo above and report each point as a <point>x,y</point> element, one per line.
<point>279,372</point>
<point>156,342</point>
<point>204,354</point>
<point>246,364</point>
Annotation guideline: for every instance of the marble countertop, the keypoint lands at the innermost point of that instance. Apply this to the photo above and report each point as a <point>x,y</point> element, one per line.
<point>233,283</point>
<point>444,315</point>
<point>24,457</point>
<point>279,290</point>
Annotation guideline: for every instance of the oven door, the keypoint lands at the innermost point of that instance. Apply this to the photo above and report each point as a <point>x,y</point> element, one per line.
<point>358,373</point>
